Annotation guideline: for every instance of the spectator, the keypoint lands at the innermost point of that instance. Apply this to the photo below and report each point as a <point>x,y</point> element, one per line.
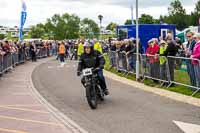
<point>1,49</point>
<point>14,53</point>
<point>74,51</point>
<point>122,55</point>
<point>97,46</point>
<point>80,47</point>
<point>179,47</point>
<point>2,53</point>
<point>20,52</point>
<point>33,50</point>
<point>188,52</point>
<point>196,63</point>
<point>163,65</point>
<point>113,50</point>
<point>131,54</point>
<point>152,53</point>
<point>67,48</point>
<point>54,48</point>
<point>180,52</point>
<point>171,51</point>
<point>62,53</point>
<point>58,55</point>
<point>6,47</point>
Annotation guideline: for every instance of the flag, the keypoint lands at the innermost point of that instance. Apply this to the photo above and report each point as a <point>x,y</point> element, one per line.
<point>23,20</point>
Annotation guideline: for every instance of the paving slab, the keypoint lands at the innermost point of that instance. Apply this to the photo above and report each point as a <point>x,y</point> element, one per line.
<point>20,111</point>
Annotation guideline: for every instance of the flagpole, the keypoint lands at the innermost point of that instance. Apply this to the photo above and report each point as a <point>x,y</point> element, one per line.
<point>132,18</point>
<point>137,43</point>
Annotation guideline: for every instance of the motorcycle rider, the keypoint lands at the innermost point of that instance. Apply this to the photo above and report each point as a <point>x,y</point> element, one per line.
<point>93,59</point>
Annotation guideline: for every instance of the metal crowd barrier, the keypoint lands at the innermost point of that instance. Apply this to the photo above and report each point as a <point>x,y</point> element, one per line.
<point>185,72</point>
<point>123,62</point>
<point>21,57</point>
<point>166,70</point>
<point>155,67</point>
<point>113,59</point>
<point>27,54</point>
<point>7,62</point>
<point>15,60</point>
<point>1,64</point>
<point>42,52</point>
<point>10,60</point>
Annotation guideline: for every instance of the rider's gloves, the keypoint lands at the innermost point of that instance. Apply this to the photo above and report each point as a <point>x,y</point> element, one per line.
<point>78,73</point>
<point>96,69</point>
<point>101,67</point>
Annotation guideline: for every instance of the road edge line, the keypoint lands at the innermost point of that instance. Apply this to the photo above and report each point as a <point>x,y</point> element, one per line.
<point>66,121</point>
<point>164,93</point>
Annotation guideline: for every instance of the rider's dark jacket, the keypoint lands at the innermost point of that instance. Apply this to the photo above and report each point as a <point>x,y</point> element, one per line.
<point>93,60</point>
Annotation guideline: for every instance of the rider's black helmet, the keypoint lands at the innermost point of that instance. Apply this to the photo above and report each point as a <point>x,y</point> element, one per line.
<point>88,44</point>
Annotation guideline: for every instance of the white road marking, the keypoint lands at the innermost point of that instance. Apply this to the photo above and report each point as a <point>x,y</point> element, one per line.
<point>188,127</point>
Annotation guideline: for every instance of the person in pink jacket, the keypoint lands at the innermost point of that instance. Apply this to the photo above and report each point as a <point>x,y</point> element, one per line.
<point>196,63</point>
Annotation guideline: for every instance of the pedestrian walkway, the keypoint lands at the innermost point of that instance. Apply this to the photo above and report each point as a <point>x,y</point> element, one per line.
<point>20,112</point>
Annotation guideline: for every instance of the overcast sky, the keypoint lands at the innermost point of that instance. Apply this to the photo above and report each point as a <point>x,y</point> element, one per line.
<point>112,10</point>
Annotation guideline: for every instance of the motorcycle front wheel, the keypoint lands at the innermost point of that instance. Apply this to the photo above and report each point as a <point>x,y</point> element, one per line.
<point>91,97</point>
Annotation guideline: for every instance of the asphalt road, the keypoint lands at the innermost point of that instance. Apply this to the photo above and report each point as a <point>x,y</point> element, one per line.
<point>126,110</point>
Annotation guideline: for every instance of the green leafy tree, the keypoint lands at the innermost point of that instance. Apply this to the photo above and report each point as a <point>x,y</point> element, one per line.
<point>195,15</point>
<point>62,27</point>
<point>38,31</point>
<point>128,22</point>
<point>112,26</point>
<point>72,26</point>
<point>146,19</point>
<point>177,15</point>
<point>89,28</point>
<point>2,36</point>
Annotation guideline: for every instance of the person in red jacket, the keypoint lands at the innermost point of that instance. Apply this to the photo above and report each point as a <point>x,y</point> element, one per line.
<point>152,53</point>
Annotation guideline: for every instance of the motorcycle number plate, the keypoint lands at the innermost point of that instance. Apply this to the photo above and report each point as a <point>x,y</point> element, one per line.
<point>87,72</point>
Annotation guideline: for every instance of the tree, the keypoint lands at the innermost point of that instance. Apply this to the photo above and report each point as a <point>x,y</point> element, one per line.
<point>128,22</point>
<point>89,28</point>
<point>112,26</point>
<point>176,8</point>
<point>146,19</point>
<point>195,15</point>
<point>177,15</point>
<point>2,36</point>
<point>38,31</point>
<point>72,26</point>
<point>63,27</point>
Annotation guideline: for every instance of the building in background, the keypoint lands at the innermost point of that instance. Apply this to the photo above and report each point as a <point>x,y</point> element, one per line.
<point>13,32</point>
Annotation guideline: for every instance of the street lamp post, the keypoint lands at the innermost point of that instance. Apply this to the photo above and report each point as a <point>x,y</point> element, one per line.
<point>137,43</point>
<point>100,17</point>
